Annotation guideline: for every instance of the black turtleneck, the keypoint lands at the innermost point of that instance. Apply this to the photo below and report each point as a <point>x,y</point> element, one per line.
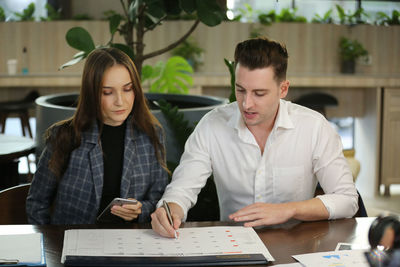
<point>112,142</point>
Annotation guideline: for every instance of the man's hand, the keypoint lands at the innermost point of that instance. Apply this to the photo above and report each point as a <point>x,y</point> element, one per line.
<point>269,214</point>
<point>160,223</point>
<point>263,214</point>
<point>128,212</point>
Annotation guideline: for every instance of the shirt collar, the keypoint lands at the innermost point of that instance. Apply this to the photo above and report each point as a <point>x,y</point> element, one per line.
<point>282,119</point>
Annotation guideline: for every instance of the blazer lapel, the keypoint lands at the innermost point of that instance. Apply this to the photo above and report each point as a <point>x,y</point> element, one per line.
<point>129,161</point>
<point>96,160</point>
<point>97,169</point>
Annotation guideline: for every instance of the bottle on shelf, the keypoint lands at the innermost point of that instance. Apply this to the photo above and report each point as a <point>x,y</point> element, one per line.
<point>25,69</point>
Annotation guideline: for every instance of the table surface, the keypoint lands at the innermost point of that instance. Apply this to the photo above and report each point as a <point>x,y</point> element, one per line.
<point>282,242</point>
<point>12,147</point>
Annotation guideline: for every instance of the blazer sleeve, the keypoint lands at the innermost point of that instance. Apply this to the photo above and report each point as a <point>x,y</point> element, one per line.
<point>159,180</point>
<point>41,192</point>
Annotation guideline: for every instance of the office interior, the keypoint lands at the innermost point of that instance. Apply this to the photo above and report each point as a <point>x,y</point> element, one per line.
<point>367,113</point>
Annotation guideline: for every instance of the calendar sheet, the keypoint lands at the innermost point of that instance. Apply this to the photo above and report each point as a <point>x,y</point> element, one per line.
<point>199,241</point>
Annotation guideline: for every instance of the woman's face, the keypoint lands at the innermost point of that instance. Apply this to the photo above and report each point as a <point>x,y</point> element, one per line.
<point>117,95</point>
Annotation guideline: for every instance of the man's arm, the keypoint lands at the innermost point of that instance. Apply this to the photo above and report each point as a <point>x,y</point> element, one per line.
<point>334,175</point>
<point>193,170</point>
<point>258,214</point>
<point>187,181</point>
<point>160,223</point>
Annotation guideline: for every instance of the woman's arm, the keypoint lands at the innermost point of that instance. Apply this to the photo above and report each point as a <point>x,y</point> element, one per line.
<point>41,192</point>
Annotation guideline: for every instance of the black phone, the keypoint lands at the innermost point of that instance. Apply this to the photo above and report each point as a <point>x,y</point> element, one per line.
<point>106,213</point>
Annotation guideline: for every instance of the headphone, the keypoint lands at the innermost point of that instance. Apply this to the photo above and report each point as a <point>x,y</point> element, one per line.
<point>389,256</point>
<point>378,227</point>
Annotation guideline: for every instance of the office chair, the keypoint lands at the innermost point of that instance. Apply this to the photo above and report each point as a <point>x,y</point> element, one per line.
<point>20,108</point>
<point>317,101</point>
<point>12,204</point>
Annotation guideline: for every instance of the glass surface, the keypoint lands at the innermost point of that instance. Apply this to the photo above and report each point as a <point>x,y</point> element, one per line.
<point>345,128</point>
<point>12,6</point>
<point>308,8</point>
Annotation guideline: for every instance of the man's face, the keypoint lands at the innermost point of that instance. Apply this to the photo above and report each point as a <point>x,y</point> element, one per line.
<point>258,94</point>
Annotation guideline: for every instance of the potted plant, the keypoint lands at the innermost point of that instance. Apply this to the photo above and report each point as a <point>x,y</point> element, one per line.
<point>140,17</point>
<point>191,51</point>
<point>350,51</point>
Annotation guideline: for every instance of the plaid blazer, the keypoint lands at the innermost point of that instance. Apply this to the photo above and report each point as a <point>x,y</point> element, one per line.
<point>75,199</point>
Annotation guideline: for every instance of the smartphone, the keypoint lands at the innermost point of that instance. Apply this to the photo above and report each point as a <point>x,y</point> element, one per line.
<point>106,213</point>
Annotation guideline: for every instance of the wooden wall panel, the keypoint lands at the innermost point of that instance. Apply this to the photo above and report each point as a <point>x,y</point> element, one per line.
<point>390,168</point>
<point>313,48</point>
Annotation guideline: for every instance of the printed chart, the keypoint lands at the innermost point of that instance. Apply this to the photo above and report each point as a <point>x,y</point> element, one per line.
<point>200,241</point>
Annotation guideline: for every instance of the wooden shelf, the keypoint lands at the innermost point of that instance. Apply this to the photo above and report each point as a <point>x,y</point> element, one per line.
<point>213,80</point>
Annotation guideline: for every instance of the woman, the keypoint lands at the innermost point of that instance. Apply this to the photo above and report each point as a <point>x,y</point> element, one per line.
<point>111,147</point>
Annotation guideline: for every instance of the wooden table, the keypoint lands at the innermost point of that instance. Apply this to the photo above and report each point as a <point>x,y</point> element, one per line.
<point>12,148</point>
<point>282,242</point>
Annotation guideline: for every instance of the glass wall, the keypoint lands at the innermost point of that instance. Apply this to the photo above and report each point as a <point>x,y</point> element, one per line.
<point>308,8</point>
<point>12,6</point>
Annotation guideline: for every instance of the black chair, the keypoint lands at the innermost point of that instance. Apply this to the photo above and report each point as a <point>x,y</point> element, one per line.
<point>19,108</point>
<point>317,101</point>
<point>12,204</point>
<point>362,211</point>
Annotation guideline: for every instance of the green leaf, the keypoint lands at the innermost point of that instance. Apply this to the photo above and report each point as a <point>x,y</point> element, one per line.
<point>73,61</point>
<point>209,12</point>
<point>126,49</point>
<point>155,10</point>
<point>2,14</point>
<point>231,68</point>
<point>174,77</point>
<point>27,13</point>
<point>80,39</point>
<point>52,14</point>
<point>114,23</point>
<point>179,125</point>
<point>341,13</point>
<point>133,9</point>
<point>267,19</point>
<point>172,7</point>
<point>189,6</point>
<point>147,72</point>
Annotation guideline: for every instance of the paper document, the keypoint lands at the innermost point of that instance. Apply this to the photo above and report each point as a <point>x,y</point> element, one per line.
<point>348,246</point>
<point>26,248</point>
<point>199,241</point>
<point>343,258</point>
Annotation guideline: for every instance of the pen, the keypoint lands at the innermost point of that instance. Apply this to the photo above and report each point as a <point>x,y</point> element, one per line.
<point>168,211</point>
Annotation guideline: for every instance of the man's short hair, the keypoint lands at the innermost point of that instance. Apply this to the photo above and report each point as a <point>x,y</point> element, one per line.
<point>262,52</point>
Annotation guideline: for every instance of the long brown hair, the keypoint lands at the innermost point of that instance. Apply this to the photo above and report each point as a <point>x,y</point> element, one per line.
<point>68,134</point>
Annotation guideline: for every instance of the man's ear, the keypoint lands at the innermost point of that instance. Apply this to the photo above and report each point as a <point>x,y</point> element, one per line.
<point>284,88</point>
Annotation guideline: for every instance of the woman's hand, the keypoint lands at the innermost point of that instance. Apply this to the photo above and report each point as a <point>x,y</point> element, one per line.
<point>128,212</point>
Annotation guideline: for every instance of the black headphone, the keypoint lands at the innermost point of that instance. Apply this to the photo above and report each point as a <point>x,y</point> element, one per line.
<point>378,227</point>
<point>386,257</point>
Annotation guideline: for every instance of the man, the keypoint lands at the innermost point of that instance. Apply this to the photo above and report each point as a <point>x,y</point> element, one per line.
<point>266,154</point>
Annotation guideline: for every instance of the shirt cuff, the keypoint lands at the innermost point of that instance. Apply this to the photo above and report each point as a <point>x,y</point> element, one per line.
<point>339,206</point>
<point>185,211</point>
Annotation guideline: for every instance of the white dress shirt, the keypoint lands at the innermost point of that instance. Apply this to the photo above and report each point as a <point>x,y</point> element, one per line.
<point>301,150</point>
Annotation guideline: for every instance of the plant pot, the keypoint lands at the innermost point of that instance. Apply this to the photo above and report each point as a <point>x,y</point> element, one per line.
<point>348,66</point>
<point>56,107</point>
